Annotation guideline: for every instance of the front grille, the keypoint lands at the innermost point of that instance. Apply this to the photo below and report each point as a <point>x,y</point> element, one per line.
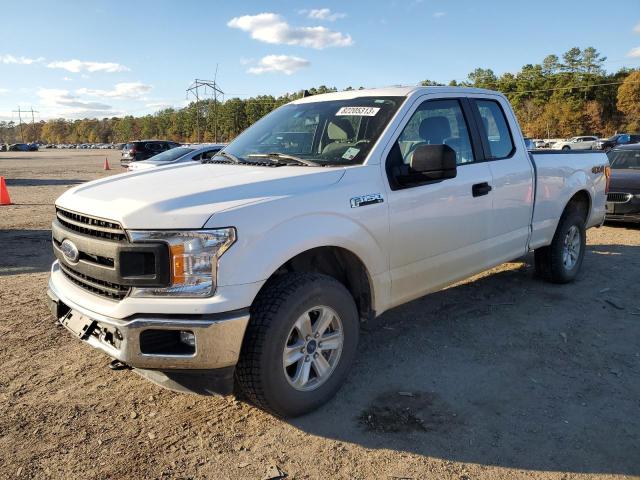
<point>615,197</point>
<point>110,290</point>
<point>94,227</point>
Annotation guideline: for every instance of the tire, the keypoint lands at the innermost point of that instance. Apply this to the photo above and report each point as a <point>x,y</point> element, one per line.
<point>276,314</point>
<point>566,147</point>
<point>551,262</point>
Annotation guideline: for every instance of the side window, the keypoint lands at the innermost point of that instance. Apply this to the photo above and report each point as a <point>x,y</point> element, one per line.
<point>435,123</point>
<point>495,129</point>
<point>197,157</point>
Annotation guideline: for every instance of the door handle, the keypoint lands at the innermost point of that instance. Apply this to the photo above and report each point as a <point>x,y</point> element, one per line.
<point>480,189</point>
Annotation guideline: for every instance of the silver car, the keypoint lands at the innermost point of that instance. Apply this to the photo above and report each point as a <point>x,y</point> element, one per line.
<point>183,154</point>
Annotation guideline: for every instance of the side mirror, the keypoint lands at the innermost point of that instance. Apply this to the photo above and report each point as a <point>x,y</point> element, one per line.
<point>434,162</point>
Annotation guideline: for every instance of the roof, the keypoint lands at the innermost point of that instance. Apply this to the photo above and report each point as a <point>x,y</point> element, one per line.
<point>395,91</point>
<point>630,146</point>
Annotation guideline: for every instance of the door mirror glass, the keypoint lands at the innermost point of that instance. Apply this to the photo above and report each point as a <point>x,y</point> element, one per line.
<point>433,162</point>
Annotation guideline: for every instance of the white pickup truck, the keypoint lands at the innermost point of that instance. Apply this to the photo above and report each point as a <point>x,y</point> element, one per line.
<point>256,269</point>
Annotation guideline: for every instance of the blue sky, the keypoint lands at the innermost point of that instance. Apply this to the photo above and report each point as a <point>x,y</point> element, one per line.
<point>100,58</point>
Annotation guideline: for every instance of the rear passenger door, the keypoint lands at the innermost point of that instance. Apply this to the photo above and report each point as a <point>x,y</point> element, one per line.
<point>512,188</point>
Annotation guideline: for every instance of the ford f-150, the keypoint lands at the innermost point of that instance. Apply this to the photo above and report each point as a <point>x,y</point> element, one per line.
<point>255,270</point>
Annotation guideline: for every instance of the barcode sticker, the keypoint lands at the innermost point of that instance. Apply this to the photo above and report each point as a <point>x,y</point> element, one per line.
<point>359,111</point>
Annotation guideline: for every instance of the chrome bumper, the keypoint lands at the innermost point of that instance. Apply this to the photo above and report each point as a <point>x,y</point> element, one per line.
<point>218,338</point>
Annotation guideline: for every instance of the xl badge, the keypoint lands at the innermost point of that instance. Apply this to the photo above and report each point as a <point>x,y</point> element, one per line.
<point>364,200</point>
<point>70,251</point>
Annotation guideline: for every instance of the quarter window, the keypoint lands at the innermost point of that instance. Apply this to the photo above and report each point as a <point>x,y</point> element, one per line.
<point>495,129</point>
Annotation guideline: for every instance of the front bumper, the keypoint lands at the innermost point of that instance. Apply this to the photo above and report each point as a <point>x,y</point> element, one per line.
<point>218,337</point>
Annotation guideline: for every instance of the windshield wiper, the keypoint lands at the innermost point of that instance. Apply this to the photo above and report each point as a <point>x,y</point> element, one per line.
<point>275,156</point>
<point>228,156</point>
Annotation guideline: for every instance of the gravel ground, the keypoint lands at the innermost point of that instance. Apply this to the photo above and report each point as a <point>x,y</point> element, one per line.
<point>500,376</point>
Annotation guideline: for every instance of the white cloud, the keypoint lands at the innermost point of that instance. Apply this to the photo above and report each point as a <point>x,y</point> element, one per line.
<point>439,14</point>
<point>279,64</point>
<point>323,14</point>
<point>4,90</point>
<point>272,28</point>
<point>66,103</point>
<point>120,90</point>
<point>77,66</point>
<point>634,53</point>
<point>19,60</point>
<point>636,29</point>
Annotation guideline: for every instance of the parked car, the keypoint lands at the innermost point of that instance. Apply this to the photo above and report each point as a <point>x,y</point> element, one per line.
<point>183,154</point>
<point>623,199</point>
<point>576,143</point>
<point>259,266</point>
<point>19,147</point>
<point>144,149</point>
<point>540,144</point>
<point>530,144</point>
<point>617,140</point>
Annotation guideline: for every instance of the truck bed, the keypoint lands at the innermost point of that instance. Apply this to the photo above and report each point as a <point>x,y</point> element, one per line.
<point>557,181</point>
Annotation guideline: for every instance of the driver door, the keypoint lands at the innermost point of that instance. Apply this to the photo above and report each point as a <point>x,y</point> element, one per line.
<point>439,229</point>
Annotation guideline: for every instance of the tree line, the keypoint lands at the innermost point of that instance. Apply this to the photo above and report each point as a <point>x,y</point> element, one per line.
<point>559,97</point>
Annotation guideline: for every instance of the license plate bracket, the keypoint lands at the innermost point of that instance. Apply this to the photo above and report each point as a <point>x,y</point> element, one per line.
<point>80,325</point>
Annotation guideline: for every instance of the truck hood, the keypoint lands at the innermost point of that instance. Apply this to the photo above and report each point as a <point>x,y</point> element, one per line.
<point>186,195</point>
<point>624,181</point>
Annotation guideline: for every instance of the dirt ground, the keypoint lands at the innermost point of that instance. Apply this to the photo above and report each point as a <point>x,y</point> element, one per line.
<point>501,376</point>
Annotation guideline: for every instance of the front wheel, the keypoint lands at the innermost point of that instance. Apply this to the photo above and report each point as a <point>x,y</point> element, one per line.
<point>566,147</point>
<point>560,262</point>
<point>300,344</point>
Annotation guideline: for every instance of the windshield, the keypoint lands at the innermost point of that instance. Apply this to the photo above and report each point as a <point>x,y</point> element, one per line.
<point>624,159</point>
<point>173,154</point>
<point>337,132</point>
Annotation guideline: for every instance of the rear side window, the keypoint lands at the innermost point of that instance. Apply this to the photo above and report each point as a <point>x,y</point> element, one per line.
<point>495,129</point>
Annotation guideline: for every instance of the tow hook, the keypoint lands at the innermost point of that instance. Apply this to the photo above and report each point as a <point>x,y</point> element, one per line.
<point>118,365</point>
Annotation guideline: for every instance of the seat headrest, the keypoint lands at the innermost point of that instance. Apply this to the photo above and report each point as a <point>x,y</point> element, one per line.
<point>434,130</point>
<point>340,129</point>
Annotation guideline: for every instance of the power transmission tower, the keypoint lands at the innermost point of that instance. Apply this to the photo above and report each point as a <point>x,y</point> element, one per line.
<point>33,121</point>
<point>33,124</point>
<point>211,88</point>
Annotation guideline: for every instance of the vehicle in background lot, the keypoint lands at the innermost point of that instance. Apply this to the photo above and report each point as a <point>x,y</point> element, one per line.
<point>623,199</point>
<point>19,147</point>
<point>144,149</point>
<point>576,143</point>
<point>33,147</point>
<point>529,143</point>
<point>617,140</point>
<point>183,154</point>
<point>258,266</point>
<point>119,146</point>
<point>540,144</point>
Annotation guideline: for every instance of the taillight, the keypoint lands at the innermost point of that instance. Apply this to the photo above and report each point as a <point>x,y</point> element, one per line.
<point>607,174</point>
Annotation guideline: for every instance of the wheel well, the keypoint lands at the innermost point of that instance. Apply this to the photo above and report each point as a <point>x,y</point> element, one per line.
<point>580,202</point>
<point>340,264</point>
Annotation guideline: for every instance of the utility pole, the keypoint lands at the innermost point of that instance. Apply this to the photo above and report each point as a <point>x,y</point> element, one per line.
<point>33,124</point>
<point>19,112</point>
<point>194,90</point>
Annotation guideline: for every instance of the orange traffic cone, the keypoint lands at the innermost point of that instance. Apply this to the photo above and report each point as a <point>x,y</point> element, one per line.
<point>106,164</point>
<point>4,193</point>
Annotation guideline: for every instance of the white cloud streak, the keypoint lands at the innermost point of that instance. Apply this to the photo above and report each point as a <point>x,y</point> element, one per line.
<point>634,53</point>
<point>272,28</point>
<point>77,66</point>
<point>10,59</point>
<point>279,64</point>
<point>323,14</point>
<point>439,14</point>
<point>120,90</point>
<point>636,29</point>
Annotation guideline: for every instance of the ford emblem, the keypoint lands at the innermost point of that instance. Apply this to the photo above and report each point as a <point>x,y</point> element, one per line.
<point>70,251</point>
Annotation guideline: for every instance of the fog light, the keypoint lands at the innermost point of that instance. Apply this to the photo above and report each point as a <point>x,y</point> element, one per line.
<point>188,338</point>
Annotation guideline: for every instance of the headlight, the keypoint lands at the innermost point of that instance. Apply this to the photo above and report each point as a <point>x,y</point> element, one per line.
<point>194,259</point>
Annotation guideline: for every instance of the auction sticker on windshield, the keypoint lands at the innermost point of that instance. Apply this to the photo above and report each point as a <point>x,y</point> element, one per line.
<point>358,111</point>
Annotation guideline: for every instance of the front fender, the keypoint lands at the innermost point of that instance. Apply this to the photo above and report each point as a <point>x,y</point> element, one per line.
<point>255,257</point>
